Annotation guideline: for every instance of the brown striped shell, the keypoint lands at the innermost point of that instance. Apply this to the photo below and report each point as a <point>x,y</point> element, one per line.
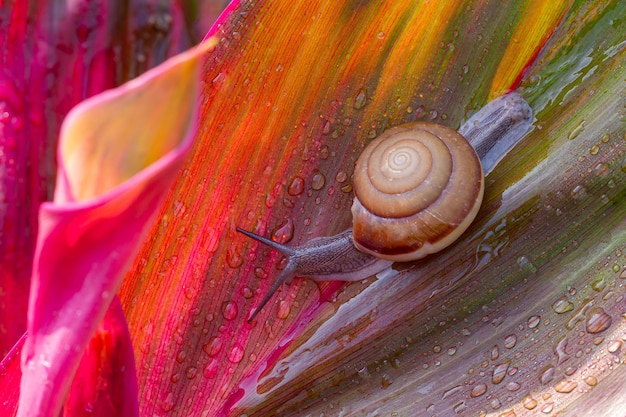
<point>417,188</point>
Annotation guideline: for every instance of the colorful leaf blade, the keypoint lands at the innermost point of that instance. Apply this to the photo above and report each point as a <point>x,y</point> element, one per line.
<point>285,117</point>
<point>91,231</point>
<point>53,55</point>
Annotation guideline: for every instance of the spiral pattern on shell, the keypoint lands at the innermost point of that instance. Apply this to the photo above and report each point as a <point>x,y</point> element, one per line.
<point>417,188</point>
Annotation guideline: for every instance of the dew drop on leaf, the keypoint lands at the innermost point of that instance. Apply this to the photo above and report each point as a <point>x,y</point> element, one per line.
<point>168,402</point>
<point>385,381</point>
<point>236,353</point>
<point>460,407</point>
<point>547,374</point>
<point>341,176</point>
<point>452,391</point>
<point>533,321</point>
<point>296,186</point>
<point>495,353</point>
<point>614,346</point>
<point>510,341</point>
<point>576,131</point>
<point>284,308</point>
<point>499,372</point>
<point>597,320</point>
<point>191,372</point>
<point>478,390</point>
<point>529,403</point>
<point>361,99</point>
<point>211,369</point>
<point>318,181</point>
<point>565,386</point>
<point>284,232</point>
<point>525,264</point>
<point>233,257</point>
<point>592,381</point>
<point>513,386</point>
<point>230,310</point>
<point>579,192</point>
<point>562,306</point>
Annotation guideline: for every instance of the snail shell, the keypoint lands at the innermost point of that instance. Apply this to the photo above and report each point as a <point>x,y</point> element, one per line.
<point>417,188</point>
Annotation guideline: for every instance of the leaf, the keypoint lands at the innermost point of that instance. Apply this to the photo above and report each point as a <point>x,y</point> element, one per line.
<point>113,171</point>
<point>287,109</point>
<point>54,55</point>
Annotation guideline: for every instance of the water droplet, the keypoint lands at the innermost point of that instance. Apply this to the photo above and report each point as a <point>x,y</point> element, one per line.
<point>260,273</point>
<point>346,188</point>
<point>547,408</point>
<point>529,403</point>
<point>211,369</point>
<point>236,353</point>
<point>181,356</point>
<point>284,232</point>
<point>510,341</point>
<point>219,79</point>
<point>495,404</point>
<point>233,258</point>
<point>495,353</point>
<point>213,347</point>
<point>576,131</point>
<point>191,372</point>
<point>385,381</point>
<point>318,181</point>
<point>601,170</point>
<point>168,402</point>
<point>283,310</point>
<point>175,378</point>
<point>324,152</point>
<point>564,386</point>
<point>592,381</point>
<point>361,99</point>
<point>230,310</point>
<point>478,390</point>
<point>561,350</point>
<point>579,192</point>
<point>513,386</point>
<point>452,391</point>
<point>525,264</point>
<point>499,372</point>
<point>533,321</point>
<point>598,285</point>
<point>326,128</point>
<point>381,35</point>
<point>547,374</point>
<point>597,320</point>
<point>247,292</point>
<point>562,306</point>
<point>614,346</point>
<point>594,150</point>
<point>341,176</point>
<point>460,407</point>
<point>296,187</point>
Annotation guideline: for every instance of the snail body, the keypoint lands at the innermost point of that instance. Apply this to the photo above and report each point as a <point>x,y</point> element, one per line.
<point>417,188</point>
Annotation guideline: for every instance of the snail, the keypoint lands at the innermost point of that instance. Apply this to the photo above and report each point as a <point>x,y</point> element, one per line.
<point>417,187</point>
